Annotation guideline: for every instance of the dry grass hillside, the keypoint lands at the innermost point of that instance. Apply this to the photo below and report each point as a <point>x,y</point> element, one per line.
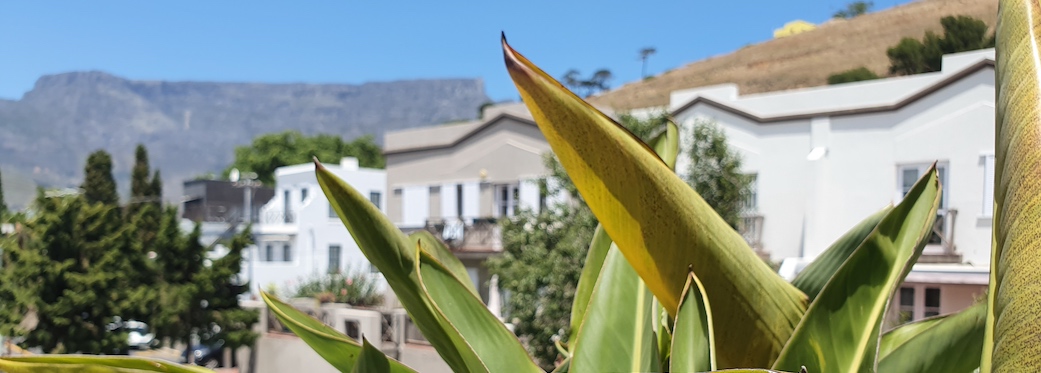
<point>804,60</point>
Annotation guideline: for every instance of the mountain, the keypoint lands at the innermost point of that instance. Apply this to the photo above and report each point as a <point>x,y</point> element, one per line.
<point>191,128</point>
<point>806,59</point>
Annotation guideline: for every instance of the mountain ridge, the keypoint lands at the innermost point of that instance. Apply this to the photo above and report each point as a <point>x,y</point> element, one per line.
<point>192,127</point>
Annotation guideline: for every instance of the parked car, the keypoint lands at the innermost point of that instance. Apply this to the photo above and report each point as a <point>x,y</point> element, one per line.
<point>209,355</point>
<point>138,335</point>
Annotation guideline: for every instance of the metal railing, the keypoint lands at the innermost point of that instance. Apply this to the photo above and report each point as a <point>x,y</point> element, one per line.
<point>277,217</point>
<point>467,234</point>
<point>751,228</point>
<point>941,247</point>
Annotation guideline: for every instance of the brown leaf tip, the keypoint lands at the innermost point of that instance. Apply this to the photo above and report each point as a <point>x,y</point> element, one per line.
<point>317,164</point>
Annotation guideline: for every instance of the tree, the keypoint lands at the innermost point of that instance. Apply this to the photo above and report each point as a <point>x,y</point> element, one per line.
<point>98,184</point>
<point>65,282</point>
<point>543,255</point>
<point>596,83</point>
<point>854,9</point>
<point>715,172</point>
<point>852,75</point>
<point>960,34</point>
<point>3,205</point>
<point>644,54</point>
<point>274,150</point>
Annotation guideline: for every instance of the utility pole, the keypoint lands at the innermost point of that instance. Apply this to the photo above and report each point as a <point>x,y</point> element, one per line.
<point>644,54</point>
<point>246,180</point>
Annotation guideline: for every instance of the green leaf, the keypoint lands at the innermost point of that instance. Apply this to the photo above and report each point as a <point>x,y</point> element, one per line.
<point>692,337</point>
<point>813,278</point>
<point>1014,314</point>
<point>372,360</point>
<point>598,250</point>
<point>342,352</point>
<point>92,364</point>
<point>396,258</point>
<point>667,144</point>
<point>618,331</point>
<point>664,335</point>
<point>660,224</point>
<point>437,249</point>
<point>947,344</point>
<point>897,337</point>
<point>840,332</point>
<point>498,349</point>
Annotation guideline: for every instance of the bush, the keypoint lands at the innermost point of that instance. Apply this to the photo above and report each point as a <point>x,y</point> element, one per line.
<point>852,75</point>
<point>354,288</point>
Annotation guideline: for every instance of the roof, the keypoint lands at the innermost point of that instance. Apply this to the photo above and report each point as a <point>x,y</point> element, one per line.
<point>843,99</point>
<point>444,136</point>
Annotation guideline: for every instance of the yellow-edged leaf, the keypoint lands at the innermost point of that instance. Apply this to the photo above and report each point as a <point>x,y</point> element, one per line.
<point>92,364</point>
<point>660,224</point>
<point>437,249</point>
<point>950,343</point>
<point>692,338</point>
<point>853,304</point>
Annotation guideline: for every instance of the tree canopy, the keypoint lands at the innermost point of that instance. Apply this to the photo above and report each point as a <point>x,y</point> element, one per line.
<point>715,172</point>
<point>586,87</point>
<point>960,34</point>
<point>854,9</point>
<point>274,150</point>
<point>98,184</point>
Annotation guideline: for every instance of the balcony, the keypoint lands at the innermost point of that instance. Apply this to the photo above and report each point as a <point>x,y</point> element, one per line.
<point>751,229</point>
<point>475,235</point>
<point>277,217</point>
<point>940,248</point>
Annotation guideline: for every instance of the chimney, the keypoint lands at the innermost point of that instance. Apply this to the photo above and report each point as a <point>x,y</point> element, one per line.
<point>349,164</point>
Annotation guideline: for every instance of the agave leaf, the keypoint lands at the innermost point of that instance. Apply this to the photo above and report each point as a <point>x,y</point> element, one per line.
<point>618,331</point>
<point>437,249</point>
<point>859,293</point>
<point>372,360</point>
<point>692,339</point>
<point>342,352</point>
<point>667,144</point>
<point>391,252</point>
<point>813,278</point>
<point>598,249</point>
<point>951,344</point>
<point>1014,315</point>
<point>498,349</point>
<point>92,364</point>
<point>664,334</point>
<point>660,224</point>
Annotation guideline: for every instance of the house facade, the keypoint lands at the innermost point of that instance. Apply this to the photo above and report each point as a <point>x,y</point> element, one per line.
<point>458,180</point>
<point>299,235</point>
<point>825,158</point>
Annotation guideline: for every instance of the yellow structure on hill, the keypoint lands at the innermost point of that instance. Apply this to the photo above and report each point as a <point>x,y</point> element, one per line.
<point>793,27</point>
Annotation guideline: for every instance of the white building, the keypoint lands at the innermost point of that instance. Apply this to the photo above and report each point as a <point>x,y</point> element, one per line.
<point>825,158</point>
<point>299,235</point>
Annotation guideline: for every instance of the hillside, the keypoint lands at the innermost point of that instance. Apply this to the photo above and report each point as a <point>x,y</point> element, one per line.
<point>191,128</point>
<point>806,59</point>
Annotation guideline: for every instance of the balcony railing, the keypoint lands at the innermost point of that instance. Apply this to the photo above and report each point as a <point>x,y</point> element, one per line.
<point>751,228</point>
<point>467,234</point>
<point>277,217</point>
<point>940,248</point>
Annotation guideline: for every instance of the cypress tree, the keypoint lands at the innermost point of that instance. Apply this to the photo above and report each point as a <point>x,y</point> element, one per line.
<point>139,183</point>
<point>3,206</point>
<point>98,184</point>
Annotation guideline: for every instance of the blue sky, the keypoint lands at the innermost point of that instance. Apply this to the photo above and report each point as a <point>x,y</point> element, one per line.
<point>362,41</point>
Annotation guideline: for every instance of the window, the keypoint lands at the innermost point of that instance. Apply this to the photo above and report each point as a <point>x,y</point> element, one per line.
<point>287,253</point>
<point>932,302</point>
<point>906,305</point>
<point>506,196</point>
<point>373,269</point>
<point>269,253</point>
<point>988,184</point>
<point>918,302</point>
<point>374,197</point>
<point>286,217</point>
<point>459,200</point>
<point>908,175</point>
<point>303,194</point>
<point>334,258</point>
<point>332,212</point>
<point>751,203</point>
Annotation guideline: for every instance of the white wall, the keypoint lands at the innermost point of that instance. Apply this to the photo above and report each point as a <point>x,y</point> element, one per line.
<point>313,230</point>
<point>808,204</point>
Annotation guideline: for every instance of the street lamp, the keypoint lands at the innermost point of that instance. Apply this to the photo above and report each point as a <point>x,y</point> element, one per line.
<point>246,180</point>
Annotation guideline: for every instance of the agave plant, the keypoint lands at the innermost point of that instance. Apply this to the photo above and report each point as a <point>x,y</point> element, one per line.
<point>668,286</point>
